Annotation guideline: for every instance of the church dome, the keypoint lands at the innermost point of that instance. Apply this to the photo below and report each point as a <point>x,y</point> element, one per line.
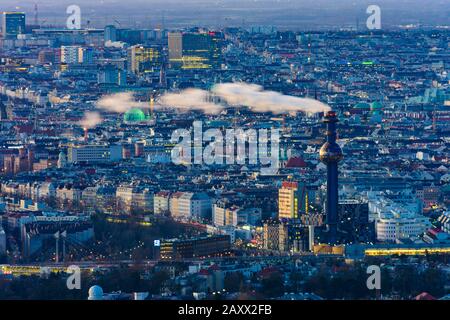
<point>362,105</point>
<point>134,115</point>
<point>376,107</point>
<point>95,293</point>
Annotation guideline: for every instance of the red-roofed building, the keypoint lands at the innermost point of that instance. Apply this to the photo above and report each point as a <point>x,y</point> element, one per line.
<point>424,296</point>
<point>296,162</point>
<point>267,272</point>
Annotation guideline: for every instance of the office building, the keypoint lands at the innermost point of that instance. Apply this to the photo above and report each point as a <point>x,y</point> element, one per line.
<point>13,24</point>
<point>48,56</point>
<point>353,222</point>
<point>110,33</point>
<point>292,200</point>
<point>144,59</point>
<point>197,51</point>
<point>2,241</point>
<point>175,41</point>
<point>161,203</point>
<point>86,55</point>
<point>110,75</point>
<point>134,199</point>
<point>275,236</point>
<point>232,215</point>
<point>194,248</point>
<point>189,205</point>
<point>77,55</point>
<point>94,153</point>
<point>398,223</point>
<point>191,50</point>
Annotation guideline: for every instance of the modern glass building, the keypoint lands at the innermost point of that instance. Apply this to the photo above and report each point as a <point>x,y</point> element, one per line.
<point>110,33</point>
<point>195,50</point>
<point>143,59</point>
<point>13,23</point>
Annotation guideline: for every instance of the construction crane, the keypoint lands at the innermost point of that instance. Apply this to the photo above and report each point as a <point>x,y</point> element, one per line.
<point>36,17</point>
<point>117,21</point>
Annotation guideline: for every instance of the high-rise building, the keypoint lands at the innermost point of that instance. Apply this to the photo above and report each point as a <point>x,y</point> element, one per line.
<point>195,50</point>
<point>86,55</point>
<point>175,41</point>
<point>110,33</point>
<point>111,75</point>
<point>275,236</point>
<point>292,200</point>
<point>13,24</point>
<point>353,222</point>
<point>3,113</point>
<point>69,54</point>
<point>2,241</point>
<point>77,55</point>
<point>331,154</point>
<point>47,56</point>
<point>16,163</point>
<point>143,59</point>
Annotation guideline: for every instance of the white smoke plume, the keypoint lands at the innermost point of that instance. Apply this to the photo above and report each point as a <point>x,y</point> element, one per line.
<point>191,99</point>
<point>120,102</point>
<point>90,119</point>
<point>234,94</point>
<point>258,100</point>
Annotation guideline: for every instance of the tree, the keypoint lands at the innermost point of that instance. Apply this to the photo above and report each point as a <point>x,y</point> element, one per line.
<point>233,281</point>
<point>273,285</point>
<point>432,281</point>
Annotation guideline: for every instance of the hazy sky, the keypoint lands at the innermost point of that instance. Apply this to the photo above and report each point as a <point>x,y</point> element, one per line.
<point>281,13</point>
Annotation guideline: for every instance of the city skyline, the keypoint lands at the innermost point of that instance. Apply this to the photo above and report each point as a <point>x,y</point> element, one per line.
<point>232,151</point>
<point>323,15</point>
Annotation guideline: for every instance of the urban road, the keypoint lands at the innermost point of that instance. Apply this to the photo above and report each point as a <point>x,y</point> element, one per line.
<point>40,267</point>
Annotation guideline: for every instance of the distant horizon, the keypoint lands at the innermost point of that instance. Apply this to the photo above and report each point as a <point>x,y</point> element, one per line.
<point>282,14</point>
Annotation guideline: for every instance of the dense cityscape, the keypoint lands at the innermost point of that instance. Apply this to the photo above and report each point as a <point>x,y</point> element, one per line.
<point>243,162</point>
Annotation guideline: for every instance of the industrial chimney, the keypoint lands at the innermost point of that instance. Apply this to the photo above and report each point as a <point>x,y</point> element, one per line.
<point>330,154</point>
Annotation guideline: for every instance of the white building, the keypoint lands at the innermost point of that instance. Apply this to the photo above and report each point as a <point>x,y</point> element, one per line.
<point>94,153</point>
<point>69,54</point>
<point>77,55</point>
<point>131,198</point>
<point>190,205</point>
<point>161,202</point>
<point>157,154</point>
<point>444,219</point>
<point>234,215</point>
<point>396,223</point>
<point>43,190</point>
<point>68,193</point>
<point>397,215</point>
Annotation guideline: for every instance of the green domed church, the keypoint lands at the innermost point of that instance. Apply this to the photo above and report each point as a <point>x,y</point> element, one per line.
<point>134,115</point>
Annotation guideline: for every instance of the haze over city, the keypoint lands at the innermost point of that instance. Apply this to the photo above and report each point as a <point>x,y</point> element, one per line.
<point>287,14</point>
